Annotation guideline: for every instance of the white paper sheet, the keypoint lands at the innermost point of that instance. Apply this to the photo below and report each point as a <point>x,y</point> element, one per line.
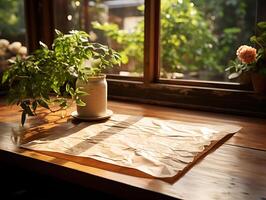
<point>157,147</point>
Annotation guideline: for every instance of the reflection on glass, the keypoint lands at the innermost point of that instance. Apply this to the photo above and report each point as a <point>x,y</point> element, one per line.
<point>12,32</point>
<point>117,23</point>
<point>199,38</point>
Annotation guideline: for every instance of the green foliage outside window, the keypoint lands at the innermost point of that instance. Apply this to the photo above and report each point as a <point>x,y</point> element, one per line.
<point>12,20</point>
<point>195,35</point>
<point>186,37</point>
<point>130,44</point>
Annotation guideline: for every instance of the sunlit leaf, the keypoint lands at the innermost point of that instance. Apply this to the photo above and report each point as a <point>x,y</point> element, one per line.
<point>43,45</point>
<point>5,76</point>
<point>234,75</point>
<point>79,102</point>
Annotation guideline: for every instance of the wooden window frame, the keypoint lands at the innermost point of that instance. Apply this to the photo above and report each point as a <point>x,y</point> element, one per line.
<point>204,95</point>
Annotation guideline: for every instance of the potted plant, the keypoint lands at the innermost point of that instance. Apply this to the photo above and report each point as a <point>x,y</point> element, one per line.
<point>252,60</point>
<point>95,104</point>
<point>54,72</point>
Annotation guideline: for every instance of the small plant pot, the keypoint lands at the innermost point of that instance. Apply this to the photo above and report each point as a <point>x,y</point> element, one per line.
<point>96,100</point>
<point>259,83</point>
<point>245,78</point>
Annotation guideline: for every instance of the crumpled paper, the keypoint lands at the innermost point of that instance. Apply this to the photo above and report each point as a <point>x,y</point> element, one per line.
<point>161,148</point>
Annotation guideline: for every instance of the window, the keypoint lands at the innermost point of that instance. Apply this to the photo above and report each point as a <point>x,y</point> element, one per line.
<point>119,24</point>
<point>157,73</point>
<point>198,38</point>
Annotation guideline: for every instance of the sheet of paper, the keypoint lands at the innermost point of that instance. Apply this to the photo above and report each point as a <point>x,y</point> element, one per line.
<point>161,148</point>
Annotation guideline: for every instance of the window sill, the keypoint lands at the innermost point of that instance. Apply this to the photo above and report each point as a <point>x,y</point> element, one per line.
<point>231,101</point>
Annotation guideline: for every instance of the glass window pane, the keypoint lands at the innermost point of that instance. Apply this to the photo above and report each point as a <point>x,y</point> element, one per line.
<point>199,38</point>
<point>12,31</point>
<point>116,23</point>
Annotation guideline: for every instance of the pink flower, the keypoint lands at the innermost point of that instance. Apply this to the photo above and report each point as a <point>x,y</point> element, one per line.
<point>246,54</point>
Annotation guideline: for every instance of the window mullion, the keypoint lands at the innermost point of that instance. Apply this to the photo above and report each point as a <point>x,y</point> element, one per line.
<point>152,41</point>
<point>260,13</point>
<point>39,22</point>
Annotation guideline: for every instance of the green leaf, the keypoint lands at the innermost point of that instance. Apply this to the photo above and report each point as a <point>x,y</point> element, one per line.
<point>67,87</point>
<point>5,76</point>
<point>25,106</point>
<point>58,32</point>
<point>253,39</point>
<point>229,68</point>
<point>80,92</point>
<point>45,95</point>
<point>63,104</point>
<point>234,75</point>
<point>261,51</point>
<point>55,88</point>
<point>34,105</point>
<point>42,103</point>
<point>262,25</point>
<point>71,91</point>
<point>43,45</point>
<point>23,117</point>
<point>11,61</point>
<point>79,102</point>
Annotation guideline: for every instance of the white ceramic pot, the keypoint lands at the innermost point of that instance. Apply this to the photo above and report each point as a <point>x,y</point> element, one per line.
<point>96,100</point>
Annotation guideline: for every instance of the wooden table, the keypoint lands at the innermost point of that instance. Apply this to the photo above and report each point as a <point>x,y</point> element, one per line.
<point>235,170</point>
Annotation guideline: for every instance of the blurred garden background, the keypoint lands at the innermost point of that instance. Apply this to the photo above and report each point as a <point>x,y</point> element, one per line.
<point>12,33</point>
<point>198,38</point>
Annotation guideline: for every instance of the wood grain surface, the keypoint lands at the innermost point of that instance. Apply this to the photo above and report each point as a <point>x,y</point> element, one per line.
<point>235,170</point>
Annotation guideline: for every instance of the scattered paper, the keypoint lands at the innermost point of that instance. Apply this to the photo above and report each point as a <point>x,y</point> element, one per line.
<point>161,148</point>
